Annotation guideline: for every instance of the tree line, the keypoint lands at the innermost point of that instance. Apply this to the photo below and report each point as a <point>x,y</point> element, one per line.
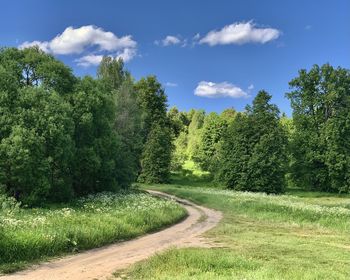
<point>261,150</point>
<point>63,136</point>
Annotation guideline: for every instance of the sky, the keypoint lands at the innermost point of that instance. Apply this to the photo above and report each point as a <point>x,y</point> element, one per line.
<point>211,55</point>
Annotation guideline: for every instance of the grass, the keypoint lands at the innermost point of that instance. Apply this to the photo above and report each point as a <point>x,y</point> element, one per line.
<point>300,235</point>
<point>31,235</point>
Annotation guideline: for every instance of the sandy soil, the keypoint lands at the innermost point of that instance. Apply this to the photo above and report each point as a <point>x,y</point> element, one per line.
<point>100,263</point>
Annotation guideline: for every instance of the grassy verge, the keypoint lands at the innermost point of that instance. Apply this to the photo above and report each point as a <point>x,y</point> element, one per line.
<point>31,235</point>
<point>294,236</point>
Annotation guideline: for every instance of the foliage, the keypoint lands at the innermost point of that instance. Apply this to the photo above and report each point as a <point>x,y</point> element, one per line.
<point>178,121</point>
<point>253,152</point>
<point>156,156</point>
<point>156,131</point>
<point>118,82</point>
<point>320,100</point>
<point>37,149</point>
<point>194,132</point>
<point>30,235</point>
<point>153,102</point>
<point>214,127</point>
<point>97,143</point>
<point>62,136</point>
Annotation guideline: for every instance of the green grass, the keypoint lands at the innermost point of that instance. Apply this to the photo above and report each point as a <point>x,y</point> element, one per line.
<point>31,235</point>
<point>294,236</point>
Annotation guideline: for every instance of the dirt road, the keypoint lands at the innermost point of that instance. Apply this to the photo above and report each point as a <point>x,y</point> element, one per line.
<point>102,262</point>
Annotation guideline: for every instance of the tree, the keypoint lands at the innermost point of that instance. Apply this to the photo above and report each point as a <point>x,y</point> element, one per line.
<point>178,121</point>
<point>253,151</point>
<point>213,128</point>
<point>179,127</point>
<point>194,132</point>
<point>36,156</point>
<point>118,82</point>
<point>156,131</point>
<point>97,144</point>
<point>156,156</point>
<point>33,67</point>
<point>320,100</point>
<point>153,103</point>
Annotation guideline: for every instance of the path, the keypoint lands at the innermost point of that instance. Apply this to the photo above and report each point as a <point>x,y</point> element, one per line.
<point>100,263</point>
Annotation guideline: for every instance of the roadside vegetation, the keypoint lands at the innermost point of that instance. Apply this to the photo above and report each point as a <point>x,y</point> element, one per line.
<point>298,235</point>
<point>29,235</point>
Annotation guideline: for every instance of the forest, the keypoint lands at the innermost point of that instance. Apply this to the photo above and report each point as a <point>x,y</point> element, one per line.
<point>63,136</point>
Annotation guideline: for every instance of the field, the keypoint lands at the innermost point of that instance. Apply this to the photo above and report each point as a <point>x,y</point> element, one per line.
<point>299,235</point>
<point>30,235</point>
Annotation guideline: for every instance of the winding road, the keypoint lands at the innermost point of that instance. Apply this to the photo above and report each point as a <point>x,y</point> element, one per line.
<point>100,263</point>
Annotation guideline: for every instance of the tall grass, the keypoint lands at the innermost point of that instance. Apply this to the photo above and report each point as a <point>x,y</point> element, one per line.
<point>30,235</point>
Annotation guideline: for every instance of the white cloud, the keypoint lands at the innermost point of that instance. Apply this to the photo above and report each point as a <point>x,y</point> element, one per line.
<point>95,59</point>
<point>89,60</point>
<point>170,84</point>
<point>44,46</point>
<point>169,40</point>
<point>251,87</point>
<point>240,33</point>
<point>79,40</point>
<point>76,40</point>
<point>127,54</point>
<point>224,89</point>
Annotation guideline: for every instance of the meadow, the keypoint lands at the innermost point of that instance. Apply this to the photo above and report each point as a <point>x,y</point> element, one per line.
<point>30,235</point>
<point>298,235</point>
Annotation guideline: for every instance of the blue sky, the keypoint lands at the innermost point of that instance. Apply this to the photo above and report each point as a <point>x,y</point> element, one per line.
<point>224,51</point>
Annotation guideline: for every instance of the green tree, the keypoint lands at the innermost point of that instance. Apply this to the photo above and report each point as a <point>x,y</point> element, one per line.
<point>253,151</point>
<point>156,156</point>
<point>36,156</point>
<point>153,103</point>
<point>156,131</point>
<point>97,144</point>
<point>33,67</point>
<point>320,99</point>
<point>118,82</point>
<point>178,121</point>
<point>194,132</point>
<point>213,128</point>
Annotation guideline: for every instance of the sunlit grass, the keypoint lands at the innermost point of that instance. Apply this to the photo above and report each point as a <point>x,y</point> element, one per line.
<point>29,235</point>
<point>299,235</point>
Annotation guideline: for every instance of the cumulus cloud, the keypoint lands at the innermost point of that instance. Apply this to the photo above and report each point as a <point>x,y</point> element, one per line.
<point>89,60</point>
<point>78,40</point>
<point>127,54</point>
<point>240,33</point>
<point>95,59</point>
<point>170,40</point>
<point>44,46</point>
<point>224,89</point>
